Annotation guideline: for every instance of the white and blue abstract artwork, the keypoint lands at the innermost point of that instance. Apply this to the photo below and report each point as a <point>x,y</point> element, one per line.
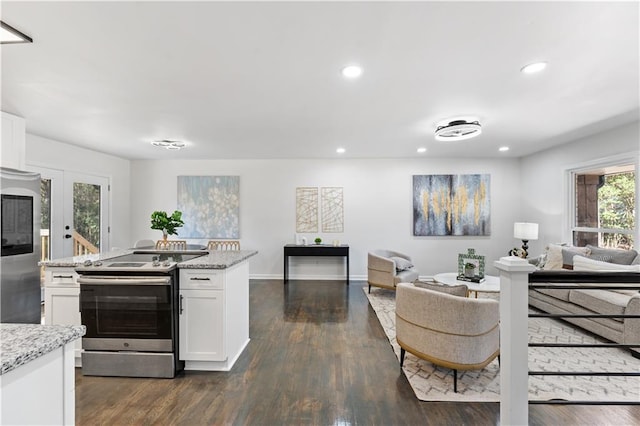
<point>210,206</point>
<point>451,205</point>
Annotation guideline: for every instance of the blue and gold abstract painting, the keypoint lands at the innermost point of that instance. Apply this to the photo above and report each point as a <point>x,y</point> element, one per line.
<point>210,206</point>
<point>451,205</point>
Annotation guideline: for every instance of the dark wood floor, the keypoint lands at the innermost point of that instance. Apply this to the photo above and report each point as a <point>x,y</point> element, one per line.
<point>317,355</point>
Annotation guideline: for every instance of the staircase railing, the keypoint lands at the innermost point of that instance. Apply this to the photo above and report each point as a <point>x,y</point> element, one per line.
<point>82,246</point>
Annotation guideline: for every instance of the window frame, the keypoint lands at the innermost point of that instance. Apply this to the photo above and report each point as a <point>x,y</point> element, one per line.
<point>570,195</point>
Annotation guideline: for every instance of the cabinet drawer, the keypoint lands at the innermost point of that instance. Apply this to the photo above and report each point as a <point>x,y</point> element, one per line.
<point>63,277</point>
<point>201,279</point>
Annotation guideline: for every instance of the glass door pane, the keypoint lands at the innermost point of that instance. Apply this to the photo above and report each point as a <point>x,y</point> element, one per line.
<point>45,219</point>
<point>86,218</point>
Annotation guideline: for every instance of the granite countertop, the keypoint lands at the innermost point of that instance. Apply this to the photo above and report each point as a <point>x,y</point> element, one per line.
<point>21,343</point>
<point>79,260</point>
<point>218,259</point>
<point>213,260</point>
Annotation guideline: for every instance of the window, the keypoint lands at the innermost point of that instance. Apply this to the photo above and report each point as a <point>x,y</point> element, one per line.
<point>605,206</point>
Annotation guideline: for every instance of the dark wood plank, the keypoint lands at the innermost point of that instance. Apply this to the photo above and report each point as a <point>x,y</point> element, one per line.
<point>317,355</point>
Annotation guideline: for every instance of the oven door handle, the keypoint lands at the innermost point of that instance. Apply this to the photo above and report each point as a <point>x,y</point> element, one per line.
<point>102,280</point>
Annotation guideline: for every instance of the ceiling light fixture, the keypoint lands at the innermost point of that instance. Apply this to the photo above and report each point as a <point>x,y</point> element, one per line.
<point>533,68</point>
<point>503,149</point>
<point>340,150</point>
<point>458,130</point>
<point>352,71</point>
<point>9,35</point>
<point>168,144</point>
<point>421,150</point>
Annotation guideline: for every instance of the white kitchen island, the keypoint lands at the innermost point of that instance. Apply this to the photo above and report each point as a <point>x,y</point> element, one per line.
<point>214,310</point>
<point>214,304</point>
<point>37,379</point>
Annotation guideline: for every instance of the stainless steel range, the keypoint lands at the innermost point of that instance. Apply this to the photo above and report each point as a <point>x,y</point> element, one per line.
<point>129,305</point>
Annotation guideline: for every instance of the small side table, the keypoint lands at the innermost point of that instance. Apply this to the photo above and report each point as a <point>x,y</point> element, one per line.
<point>491,284</point>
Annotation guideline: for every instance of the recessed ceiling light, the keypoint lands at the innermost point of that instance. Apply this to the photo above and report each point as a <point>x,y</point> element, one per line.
<point>421,150</point>
<point>458,130</point>
<point>533,68</point>
<point>352,71</point>
<point>168,144</point>
<point>503,148</point>
<point>9,35</point>
<point>340,150</point>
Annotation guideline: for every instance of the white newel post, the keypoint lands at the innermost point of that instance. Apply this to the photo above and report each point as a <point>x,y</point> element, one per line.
<point>514,369</point>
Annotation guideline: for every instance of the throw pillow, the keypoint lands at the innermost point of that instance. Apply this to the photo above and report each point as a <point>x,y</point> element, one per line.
<point>636,261</point>
<point>401,263</point>
<point>455,290</point>
<point>582,263</point>
<point>554,257</point>
<point>569,252</point>
<point>619,256</point>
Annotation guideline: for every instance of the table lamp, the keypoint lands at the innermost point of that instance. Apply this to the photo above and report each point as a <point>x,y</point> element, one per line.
<point>525,231</point>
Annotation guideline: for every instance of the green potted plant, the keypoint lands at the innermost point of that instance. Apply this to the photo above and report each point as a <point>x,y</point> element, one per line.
<point>469,270</point>
<point>167,224</point>
<point>318,240</point>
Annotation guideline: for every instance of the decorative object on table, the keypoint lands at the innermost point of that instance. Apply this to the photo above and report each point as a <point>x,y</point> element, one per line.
<point>518,252</point>
<point>160,220</point>
<point>318,240</point>
<point>470,266</point>
<point>304,241</point>
<point>469,270</point>
<point>525,231</point>
<point>210,205</point>
<point>332,209</point>
<point>451,205</point>
<point>306,209</point>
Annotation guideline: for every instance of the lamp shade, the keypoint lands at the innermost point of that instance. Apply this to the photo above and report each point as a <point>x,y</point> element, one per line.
<point>525,231</point>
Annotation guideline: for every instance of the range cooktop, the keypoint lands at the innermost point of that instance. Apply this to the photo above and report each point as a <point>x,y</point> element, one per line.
<point>148,261</point>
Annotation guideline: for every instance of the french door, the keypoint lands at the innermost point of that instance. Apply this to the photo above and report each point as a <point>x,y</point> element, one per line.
<point>75,213</point>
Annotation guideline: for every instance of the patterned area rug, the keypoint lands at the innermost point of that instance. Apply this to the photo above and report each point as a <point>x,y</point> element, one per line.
<point>432,383</point>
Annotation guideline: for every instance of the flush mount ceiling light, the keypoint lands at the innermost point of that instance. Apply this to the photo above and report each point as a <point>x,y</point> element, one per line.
<point>9,35</point>
<point>340,150</point>
<point>503,149</point>
<point>533,68</point>
<point>458,130</point>
<point>421,150</point>
<point>352,71</point>
<point>167,144</point>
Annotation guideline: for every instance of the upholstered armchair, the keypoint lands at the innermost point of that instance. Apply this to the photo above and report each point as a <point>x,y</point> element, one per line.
<point>387,268</point>
<point>450,331</point>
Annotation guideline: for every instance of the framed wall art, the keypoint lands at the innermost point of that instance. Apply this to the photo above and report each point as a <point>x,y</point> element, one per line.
<point>210,206</point>
<point>451,205</point>
<point>306,209</point>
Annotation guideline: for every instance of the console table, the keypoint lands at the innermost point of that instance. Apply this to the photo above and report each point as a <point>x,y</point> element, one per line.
<point>314,250</point>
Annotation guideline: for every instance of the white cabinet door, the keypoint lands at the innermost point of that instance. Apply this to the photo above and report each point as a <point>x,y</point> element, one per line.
<point>202,325</point>
<point>62,307</point>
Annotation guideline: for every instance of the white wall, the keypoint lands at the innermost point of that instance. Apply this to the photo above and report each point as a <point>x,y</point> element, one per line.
<point>43,152</point>
<point>378,208</point>
<point>543,179</point>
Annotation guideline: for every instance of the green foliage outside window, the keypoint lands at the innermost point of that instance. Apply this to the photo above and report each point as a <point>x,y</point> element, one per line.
<point>86,211</point>
<point>616,208</point>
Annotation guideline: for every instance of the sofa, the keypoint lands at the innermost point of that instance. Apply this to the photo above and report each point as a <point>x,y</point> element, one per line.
<point>591,259</point>
<point>387,268</point>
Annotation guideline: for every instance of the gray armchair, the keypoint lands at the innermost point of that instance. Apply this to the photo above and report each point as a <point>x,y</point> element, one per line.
<point>387,268</point>
<point>450,331</point>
